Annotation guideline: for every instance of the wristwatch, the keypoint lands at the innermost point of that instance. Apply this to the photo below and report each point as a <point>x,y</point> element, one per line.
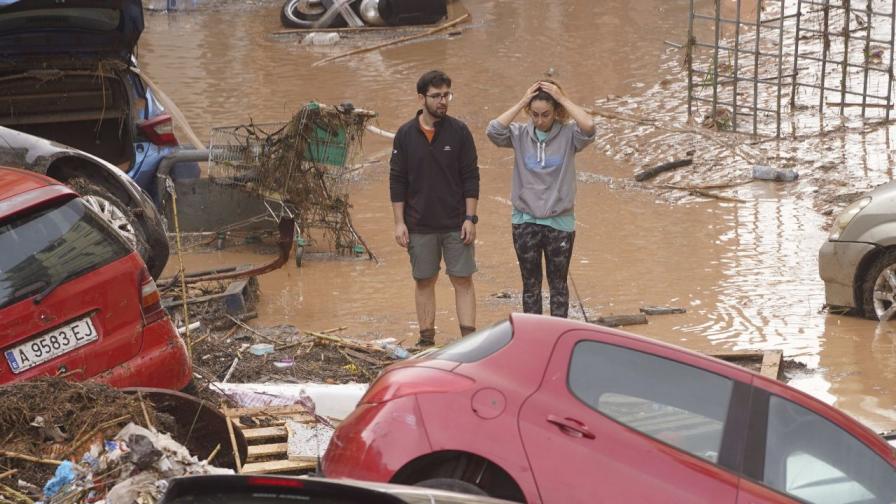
<point>472,218</point>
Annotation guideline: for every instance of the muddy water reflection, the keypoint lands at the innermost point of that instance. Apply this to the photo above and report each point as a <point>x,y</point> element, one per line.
<point>746,272</point>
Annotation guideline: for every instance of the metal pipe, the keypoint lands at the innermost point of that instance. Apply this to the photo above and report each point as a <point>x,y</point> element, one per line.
<point>744,51</point>
<point>796,54</point>
<point>837,34</point>
<point>756,67</point>
<point>825,43</point>
<point>730,21</point>
<point>745,107</point>
<point>689,56</point>
<point>736,58</point>
<point>840,62</point>
<point>890,68</point>
<point>715,60</point>
<point>845,54</point>
<point>168,162</point>
<point>780,70</point>
<point>867,55</point>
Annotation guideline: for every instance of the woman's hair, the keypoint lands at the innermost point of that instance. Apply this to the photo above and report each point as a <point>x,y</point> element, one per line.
<point>560,113</point>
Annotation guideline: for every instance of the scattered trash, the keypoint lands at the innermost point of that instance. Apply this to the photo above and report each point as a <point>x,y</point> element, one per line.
<point>331,401</point>
<point>391,345</point>
<point>321,39</point>
<point>65,474</point>
<point>261,349</point>
<point>762,172</point>
<point>284,363</point>
<point>661,310</point>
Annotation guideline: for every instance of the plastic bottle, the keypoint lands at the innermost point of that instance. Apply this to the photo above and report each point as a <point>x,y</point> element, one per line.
<point>392,345</point>
<point>763,172</point>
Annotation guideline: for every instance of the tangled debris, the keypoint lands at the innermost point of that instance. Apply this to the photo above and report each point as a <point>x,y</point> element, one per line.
<point>51,419</point>
<point>303,164</point>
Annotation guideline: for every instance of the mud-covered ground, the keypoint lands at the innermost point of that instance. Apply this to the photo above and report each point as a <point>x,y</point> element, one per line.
<point>744,265</point>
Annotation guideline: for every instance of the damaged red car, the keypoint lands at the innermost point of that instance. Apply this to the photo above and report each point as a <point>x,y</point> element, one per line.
<point>542,409</point>
<point>75,299</point>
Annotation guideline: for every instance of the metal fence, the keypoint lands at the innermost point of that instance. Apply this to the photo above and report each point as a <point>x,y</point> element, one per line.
<point>751,72</point>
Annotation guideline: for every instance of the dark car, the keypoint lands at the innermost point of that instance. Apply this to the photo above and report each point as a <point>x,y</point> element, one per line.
<point>317,13</point>
<point>543,409</point>
<point>260,489</point>
<point>68,74</point>
<point>105,188</point>
<point>75,299</point>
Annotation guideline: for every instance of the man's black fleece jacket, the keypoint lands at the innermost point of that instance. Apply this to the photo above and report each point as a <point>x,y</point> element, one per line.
<point>434,179</point>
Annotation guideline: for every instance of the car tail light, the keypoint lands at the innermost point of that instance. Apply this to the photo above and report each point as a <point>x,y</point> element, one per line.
<point>267,481</point>
<point>159,130</point>
<point>414,380</point>
<point>150,299</point>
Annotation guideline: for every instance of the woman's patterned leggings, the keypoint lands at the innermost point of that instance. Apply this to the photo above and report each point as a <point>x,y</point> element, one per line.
<point>530,242</point>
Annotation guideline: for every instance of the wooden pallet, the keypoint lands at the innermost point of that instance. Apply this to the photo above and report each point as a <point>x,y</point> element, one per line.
<point>771,361</point>
<point>265,431</point>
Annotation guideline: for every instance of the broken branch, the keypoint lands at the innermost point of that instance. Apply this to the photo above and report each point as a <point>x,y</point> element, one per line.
<point>656,170</point>
<point>393,42</point>
<point>28,458</point>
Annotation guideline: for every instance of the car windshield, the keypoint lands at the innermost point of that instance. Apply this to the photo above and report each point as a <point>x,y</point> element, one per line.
<point>48,19</point>
<point>478,345</point>
<point>50,246</point>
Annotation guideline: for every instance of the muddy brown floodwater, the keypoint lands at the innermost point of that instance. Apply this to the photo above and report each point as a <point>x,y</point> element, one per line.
<point>746,272</point>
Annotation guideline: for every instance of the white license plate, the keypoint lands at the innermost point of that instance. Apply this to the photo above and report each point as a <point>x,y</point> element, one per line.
<point>51,344</point>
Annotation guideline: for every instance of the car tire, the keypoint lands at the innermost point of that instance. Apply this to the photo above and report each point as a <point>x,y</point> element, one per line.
<point>878,291</point>
<point>300,14</point>
<point>452,485</point>
<point>118,216</point>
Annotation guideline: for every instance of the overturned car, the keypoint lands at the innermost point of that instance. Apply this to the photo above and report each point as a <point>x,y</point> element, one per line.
<point>339,13</point>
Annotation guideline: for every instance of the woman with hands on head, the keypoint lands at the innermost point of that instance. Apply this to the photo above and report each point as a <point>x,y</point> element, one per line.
<point>543,190</point>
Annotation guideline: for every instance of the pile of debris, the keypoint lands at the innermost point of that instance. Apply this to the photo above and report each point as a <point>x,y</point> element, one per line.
<point>64,442</point>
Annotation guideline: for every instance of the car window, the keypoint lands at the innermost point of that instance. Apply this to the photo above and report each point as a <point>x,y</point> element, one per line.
<point>678,404</point>
<point>478,345</point>
<point>84,18</point>
<point>52,245</point>
<point>811,458</point>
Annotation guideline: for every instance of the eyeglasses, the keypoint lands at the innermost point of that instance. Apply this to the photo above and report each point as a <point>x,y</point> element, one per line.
<point>439,97</point>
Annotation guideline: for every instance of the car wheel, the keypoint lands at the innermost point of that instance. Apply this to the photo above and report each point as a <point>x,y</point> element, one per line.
<point>879,289</point>
<point>116,214</point>
<point>301,13</point>
<point>452,485</point>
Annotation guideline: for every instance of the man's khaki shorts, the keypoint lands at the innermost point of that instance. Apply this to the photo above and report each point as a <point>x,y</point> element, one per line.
<point>426,251</point>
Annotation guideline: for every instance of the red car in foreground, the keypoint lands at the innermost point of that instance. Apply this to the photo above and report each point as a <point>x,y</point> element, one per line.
<point>541,409</point>
<point>75,299</point>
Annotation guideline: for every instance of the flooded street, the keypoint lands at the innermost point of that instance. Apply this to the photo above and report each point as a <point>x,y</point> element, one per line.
<point>746,272</point>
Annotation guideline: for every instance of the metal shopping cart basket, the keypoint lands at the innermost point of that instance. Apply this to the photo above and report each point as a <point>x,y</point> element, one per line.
<point>300,168</point>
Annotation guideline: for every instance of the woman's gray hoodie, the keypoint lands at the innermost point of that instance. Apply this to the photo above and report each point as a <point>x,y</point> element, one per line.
<point>544,173</point>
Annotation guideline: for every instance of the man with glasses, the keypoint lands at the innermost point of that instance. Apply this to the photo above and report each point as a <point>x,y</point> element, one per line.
<point>434,187</point>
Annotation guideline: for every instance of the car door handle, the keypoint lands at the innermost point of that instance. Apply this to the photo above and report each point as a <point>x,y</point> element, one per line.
<point>571,427</point>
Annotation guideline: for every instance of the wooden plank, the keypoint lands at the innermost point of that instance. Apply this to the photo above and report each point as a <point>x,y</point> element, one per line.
<point>622,320</point>
<point>277,466</point>
<point>290,409</point>
<point>771,364</point>
<point>264,433</point>
<point>266,450</point>
<point>742,355</point>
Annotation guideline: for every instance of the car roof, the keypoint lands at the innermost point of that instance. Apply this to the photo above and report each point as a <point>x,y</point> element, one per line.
<point>21,189</point>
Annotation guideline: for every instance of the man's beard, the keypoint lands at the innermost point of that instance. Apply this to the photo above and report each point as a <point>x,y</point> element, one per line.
<point>436,111</point>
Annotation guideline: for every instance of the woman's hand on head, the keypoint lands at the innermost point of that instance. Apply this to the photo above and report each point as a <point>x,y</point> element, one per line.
<point>531,92</point>
<point>553,90</point>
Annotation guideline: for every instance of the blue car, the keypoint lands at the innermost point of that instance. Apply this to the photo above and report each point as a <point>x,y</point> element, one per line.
<point>68,74</point>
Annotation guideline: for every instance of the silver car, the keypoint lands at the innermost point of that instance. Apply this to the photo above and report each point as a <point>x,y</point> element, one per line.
<point>104,187</point>
<point>858,262</point>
